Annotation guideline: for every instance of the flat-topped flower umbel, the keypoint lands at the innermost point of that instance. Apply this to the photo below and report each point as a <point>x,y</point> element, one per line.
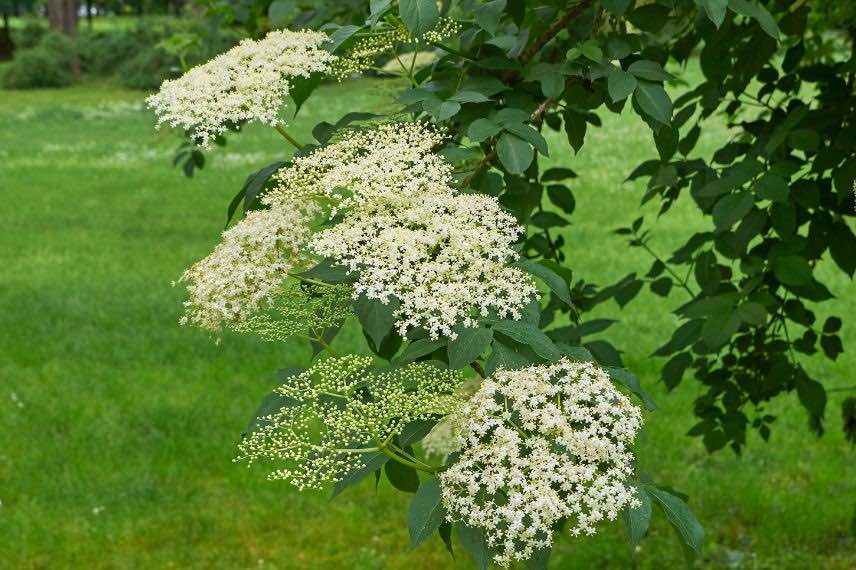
<point>537,446</point>
<point>247,83</point>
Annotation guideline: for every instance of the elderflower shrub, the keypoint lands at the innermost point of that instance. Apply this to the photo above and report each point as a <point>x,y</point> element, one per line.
<point>340,409</point>
<point>246,270</point>
<point>537,446</point>
<point>246,83</point>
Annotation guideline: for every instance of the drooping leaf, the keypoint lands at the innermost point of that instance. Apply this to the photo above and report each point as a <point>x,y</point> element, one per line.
<point>515,153</point>
<point>715,10</point>
<point>371,461</point>
<point>654,101</point>
<point>620,84</point>
<point>632,383</point>
<point>420,16</point>
<point>402,477</point>
<point>426,512</point>
<point>474,541</point>
<point>531,336</point>
<point>376,317</point>
<point>682,519</point>
<point>419,348</point>
<point>552,279</point>
<point>637,519</point>
<point>468,345</point>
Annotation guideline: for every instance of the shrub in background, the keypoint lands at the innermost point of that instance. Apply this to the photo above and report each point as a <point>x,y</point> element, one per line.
<point>47,64</point>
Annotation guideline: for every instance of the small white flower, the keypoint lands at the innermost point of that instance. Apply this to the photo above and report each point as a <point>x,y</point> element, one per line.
<point>247,83</point>
<point>563,453</point>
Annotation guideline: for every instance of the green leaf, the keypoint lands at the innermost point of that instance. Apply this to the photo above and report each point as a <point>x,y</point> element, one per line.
<point>649,70</point>
<point>752,313</point>
<point>377,9</point>
<point>617,7</point>
<point>474,541</point>
<point>469,97</point>
<point>488,14</point>
<point>550,278</point>
<point>329,272</point>
<point>754,10</point>
<point>415,431</point>
<point>562,197</point>
<point>420,16</point>
<point>620,84</point>
<point>439,109</point>
<point>402,477</point>
<point>804,139</point>
<point>504,356</point>
<point>719,328</point>
<point>772,187</point>
<point>673,370</point>
<point>682,519</point>
<point>592,51</point>
<point>426,512</point>
<point>654,101</point>
<point>376,317</point>
<point>527,133</point>
<point>419,348</point>
<point>812,395</point>
<point>715,10</point>
<point>445,532</point>
<point>630,381</point>
<point>340,36</point>
<point>371,462</point>
<point>468,345</point>
<point>732,208</point>
<point>792,270</point>
<point>575,128</point>
<point>273,402</point>
<point>637,519</point>
<point>555,174</point>
<point>531,336</point>
<point>842,247</point>
<point>515,154</point>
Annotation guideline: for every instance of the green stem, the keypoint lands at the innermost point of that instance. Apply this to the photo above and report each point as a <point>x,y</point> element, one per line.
<point>450,50</point>
<point>360,450</point>
<point>395,457</point>
<point>326,346</point>
<point>281,130</point>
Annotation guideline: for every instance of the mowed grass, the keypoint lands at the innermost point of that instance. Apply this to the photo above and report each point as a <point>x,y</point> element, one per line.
<point>118,427</point>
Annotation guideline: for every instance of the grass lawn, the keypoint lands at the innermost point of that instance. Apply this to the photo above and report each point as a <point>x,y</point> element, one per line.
<point>118,427</point>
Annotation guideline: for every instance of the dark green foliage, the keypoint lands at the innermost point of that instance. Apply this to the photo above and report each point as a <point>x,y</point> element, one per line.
<point>778,194</point>
<point>47,64</point>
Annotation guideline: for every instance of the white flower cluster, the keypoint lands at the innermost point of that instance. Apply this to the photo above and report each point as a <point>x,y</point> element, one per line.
<point>388,162</point>
<point>539,445</point>
<point>392,217</point>
<point>442,255</point>
<point>246,270</point>
<point>247,83</point>
<point>339,410</point>
<point>407,232</point>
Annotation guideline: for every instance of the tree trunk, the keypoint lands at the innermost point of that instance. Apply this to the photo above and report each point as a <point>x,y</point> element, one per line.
<point>62,17</point>
<point>6,45</point>
<point>89,13</point>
